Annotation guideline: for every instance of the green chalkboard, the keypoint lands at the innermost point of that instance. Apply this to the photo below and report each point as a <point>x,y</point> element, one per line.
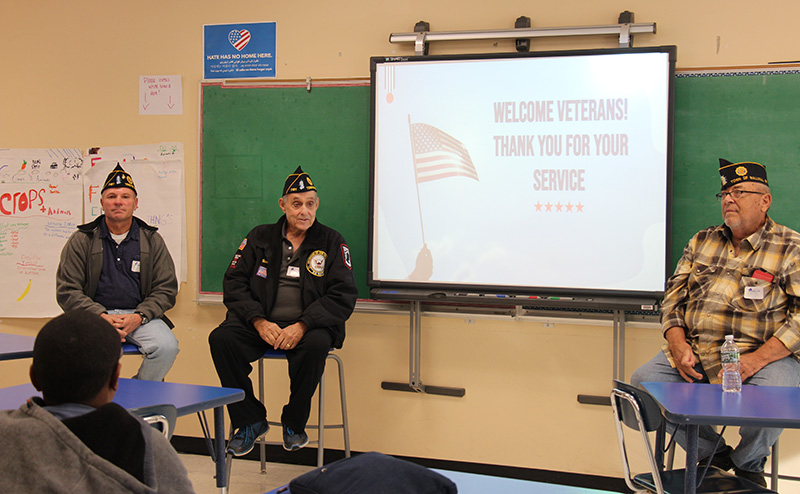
<point>739,115</point>
<point>253,137</point>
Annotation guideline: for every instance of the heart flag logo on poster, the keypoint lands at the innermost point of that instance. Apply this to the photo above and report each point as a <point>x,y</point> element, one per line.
<point>239,39</point>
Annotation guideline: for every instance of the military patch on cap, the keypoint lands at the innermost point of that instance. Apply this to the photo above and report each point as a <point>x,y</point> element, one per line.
<point>118,178</point>
<point>747,171</point>
<point>299,181</point>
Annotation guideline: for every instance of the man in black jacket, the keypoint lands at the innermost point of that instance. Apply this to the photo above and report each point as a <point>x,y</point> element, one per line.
<point>290,286</point>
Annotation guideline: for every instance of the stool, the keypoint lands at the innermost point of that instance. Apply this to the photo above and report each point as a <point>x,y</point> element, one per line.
<point>321,425</point>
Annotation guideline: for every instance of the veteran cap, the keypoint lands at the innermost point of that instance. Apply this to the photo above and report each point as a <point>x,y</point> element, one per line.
<point>118,178</point>
<point>747,171</point>
<point>299,181</point>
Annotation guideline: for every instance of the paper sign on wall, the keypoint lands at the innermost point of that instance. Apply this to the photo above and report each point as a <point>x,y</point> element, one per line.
<point>160,95</point>
<point>233,51</point>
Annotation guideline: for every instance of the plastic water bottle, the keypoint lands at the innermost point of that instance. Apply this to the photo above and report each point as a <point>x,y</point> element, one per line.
<point>731,374</point>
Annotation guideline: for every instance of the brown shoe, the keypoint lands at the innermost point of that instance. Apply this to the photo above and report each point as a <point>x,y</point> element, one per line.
<point>755,477</point>
<point>720,459</point>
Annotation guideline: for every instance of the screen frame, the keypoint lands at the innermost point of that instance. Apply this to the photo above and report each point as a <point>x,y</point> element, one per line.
<point>410,290</point>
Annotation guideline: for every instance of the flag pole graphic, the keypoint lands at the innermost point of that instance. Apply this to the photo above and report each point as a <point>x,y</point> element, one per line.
<point>423,268</point>
<point>416,182</point>
<point>436,155</point>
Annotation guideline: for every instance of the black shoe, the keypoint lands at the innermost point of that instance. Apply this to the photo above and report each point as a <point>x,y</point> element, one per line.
<point>755,477</point>
<point>720,459</point>
<point>245,438</point>
<point>292,441</point>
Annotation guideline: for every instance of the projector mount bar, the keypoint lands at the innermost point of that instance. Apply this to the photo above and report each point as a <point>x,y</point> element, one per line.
<point>625,29</point>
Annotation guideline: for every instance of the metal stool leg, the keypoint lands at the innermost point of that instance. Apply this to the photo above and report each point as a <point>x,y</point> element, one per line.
<point>321,422</point>
<point>343,402</point>
<point>262,442</point>
<point>773,484</point>
<point>320,426</point>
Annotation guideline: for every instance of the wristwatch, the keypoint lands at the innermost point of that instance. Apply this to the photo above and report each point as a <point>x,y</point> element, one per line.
<point>145,320</point>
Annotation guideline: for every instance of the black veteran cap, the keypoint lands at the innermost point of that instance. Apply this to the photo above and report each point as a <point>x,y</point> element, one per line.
<point>747,171</point>
<point>299,181</point>
<point>118,178</point>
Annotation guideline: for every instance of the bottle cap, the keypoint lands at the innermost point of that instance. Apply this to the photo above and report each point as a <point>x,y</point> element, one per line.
<point>728,336</point>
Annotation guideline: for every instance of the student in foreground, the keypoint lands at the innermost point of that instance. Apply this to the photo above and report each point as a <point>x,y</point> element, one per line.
<point>74,439</point>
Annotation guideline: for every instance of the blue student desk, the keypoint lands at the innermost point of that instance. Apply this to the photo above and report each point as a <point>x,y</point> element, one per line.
<point>693,405</point>
<point>187,398</point>
<point>14,346</point>
<point>473,483</point>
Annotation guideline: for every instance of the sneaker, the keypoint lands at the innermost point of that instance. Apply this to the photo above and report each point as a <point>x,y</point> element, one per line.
<point>721,459</point>
<point>755,477</point>
<point>245,438</point>
<point>292,441</point>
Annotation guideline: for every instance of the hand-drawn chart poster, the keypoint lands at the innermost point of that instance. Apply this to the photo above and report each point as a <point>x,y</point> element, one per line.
<point>235,51</point>
<point>157,172</point>
<point>40,206</point>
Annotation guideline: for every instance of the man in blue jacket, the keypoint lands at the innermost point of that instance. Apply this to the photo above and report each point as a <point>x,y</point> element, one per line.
<point>290,286</point>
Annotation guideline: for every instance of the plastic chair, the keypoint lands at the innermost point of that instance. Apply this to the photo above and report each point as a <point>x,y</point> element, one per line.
<point>321,426</point>
<point>161,417</point>
<point>638,410</point>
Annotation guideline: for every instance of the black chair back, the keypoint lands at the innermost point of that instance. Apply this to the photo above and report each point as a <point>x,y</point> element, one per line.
<point>648,407</point>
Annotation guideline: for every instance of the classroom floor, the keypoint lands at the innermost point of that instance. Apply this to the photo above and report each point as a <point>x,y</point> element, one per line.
<point>246,476</point>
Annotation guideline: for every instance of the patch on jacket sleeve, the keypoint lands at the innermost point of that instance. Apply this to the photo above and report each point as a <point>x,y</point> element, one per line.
<point>235,260</point>
<point>346,256</point>
<point>244,242</point>
<point>316,263</point>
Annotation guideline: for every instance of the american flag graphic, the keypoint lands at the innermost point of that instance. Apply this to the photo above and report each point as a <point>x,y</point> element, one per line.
<point>239,39</point>
<point>439,155</point>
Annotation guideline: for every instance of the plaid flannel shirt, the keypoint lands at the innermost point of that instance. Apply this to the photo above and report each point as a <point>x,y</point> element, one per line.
<point>706,294</point>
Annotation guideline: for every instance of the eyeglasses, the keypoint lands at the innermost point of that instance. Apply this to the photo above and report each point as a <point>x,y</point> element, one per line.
<point>737,194</point>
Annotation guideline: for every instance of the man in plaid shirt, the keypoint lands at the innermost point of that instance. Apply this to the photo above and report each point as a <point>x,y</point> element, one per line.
<point>740,278</point>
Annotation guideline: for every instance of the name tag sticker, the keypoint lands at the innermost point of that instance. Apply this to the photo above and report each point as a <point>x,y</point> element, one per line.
<point>293,272</point>
<point>135,266</point>
<point>754,292</point>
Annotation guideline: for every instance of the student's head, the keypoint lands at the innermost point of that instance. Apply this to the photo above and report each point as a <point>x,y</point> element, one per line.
<point>76,359</point>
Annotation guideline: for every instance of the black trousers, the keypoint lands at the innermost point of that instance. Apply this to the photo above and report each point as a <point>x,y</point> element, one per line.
<point>234,346</point>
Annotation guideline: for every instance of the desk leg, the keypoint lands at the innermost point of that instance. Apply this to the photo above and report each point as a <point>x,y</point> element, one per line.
<point>219,444</point>
<point>690,482</point>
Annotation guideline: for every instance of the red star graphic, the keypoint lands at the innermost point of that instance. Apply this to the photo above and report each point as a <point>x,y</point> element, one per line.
<point>569,207</point>
<point>549,206</point>
<point>559,206</point>
<point>538,206</point>
<point>580,207</point>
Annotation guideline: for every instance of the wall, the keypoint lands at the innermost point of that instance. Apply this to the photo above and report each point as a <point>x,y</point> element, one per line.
<point>70,79</point>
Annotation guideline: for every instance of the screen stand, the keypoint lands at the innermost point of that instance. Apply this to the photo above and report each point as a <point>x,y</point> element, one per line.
<point>414,383</point>
<point>619,360</point>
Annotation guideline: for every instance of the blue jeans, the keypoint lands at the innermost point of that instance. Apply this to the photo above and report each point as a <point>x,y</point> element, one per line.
<point>158,345</point>
<point>756,442</point>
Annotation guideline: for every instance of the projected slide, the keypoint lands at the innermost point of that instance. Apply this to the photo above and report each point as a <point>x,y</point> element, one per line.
<point>519,172</point>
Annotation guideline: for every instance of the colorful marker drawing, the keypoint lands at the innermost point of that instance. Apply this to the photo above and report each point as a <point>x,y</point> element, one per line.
<point>25,292</point>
